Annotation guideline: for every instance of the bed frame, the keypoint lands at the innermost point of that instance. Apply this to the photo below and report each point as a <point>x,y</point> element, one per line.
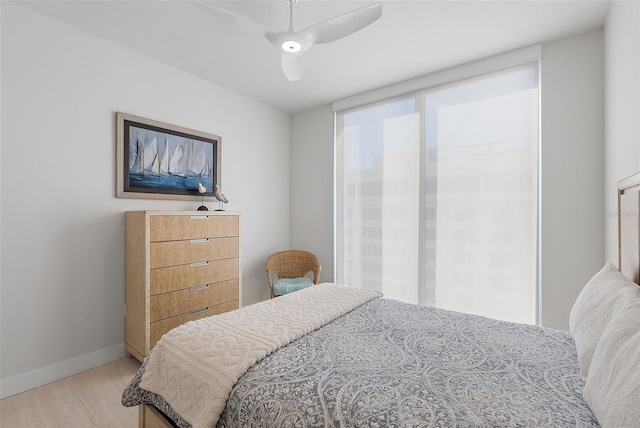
<point>150,417</point>
<point>628,263</point>
<point>628,221</point>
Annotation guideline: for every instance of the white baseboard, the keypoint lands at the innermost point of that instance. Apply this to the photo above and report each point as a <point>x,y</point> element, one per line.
<point>33,379</point>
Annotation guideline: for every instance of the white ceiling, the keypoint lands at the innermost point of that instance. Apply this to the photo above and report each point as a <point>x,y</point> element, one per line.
<point>412,38</point>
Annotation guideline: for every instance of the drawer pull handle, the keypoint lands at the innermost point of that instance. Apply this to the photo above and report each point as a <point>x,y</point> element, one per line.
<point>198,264</point>
<point>199,217</point>
<point>197,311</point>
<point>198,241</point>
<point>199,287</point>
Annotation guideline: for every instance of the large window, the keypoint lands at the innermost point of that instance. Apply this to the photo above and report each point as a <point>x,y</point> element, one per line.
<point>437,195</point>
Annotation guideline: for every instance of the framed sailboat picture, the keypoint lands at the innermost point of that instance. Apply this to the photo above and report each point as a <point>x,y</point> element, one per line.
<point>161,161</point>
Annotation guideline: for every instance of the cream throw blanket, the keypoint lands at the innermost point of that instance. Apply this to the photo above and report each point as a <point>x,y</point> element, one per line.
<point>195,366</point>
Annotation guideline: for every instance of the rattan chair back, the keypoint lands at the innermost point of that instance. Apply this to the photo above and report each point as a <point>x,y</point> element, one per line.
<point>292,264</point>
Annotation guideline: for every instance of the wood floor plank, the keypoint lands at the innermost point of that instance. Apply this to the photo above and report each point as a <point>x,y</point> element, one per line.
<point>89,399</point>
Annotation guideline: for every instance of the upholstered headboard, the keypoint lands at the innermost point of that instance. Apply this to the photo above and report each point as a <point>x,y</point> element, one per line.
<point>628,227</point>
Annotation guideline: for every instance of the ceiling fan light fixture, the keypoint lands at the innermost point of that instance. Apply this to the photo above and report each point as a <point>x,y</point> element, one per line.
<point>291,46</point>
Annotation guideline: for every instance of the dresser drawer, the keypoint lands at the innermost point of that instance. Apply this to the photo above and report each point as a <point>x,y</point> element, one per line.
<point>169,305</point>
<point>159,328</point>
<point>167,279</point>
<point>174,253</point>
<point>181,227</point>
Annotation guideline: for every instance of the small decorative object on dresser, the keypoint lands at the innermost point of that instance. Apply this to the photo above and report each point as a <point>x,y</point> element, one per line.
<point>220,197</point>
<point>202,190</point>
<point>180,266</point>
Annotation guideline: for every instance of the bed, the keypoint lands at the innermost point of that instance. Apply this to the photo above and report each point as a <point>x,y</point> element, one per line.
<point>331,355</point>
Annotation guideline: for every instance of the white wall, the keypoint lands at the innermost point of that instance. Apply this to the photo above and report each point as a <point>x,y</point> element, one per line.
<point>572,171</point>
<point>62,276</point>
<point>572,135</point>
<point>312,186</point>
<point>622,106</point>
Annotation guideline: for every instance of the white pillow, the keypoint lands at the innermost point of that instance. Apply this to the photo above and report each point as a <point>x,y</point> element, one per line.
<point>612,389</point>
<point>600,298</point>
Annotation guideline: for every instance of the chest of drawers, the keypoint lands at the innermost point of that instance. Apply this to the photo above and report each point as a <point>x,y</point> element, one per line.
<point>180,266</point>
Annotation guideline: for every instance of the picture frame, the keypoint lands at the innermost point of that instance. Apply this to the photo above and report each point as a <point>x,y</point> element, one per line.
<point>156,160</point>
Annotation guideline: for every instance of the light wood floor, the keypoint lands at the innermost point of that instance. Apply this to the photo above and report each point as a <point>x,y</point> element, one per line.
<point>89,399</point>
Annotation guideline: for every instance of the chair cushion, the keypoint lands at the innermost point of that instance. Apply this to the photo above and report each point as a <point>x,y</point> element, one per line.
<point>288,285</point>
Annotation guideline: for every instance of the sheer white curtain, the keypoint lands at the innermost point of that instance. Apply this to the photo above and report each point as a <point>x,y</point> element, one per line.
<point>436,195</point>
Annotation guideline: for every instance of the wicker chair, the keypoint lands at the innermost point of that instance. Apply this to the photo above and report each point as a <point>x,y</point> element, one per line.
<point>290,268</point>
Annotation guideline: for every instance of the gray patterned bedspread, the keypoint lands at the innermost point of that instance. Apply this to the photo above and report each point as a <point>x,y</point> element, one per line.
<point>392,364</point>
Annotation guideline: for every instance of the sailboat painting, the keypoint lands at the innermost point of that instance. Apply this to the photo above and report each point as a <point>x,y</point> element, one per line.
<point>166,161</point>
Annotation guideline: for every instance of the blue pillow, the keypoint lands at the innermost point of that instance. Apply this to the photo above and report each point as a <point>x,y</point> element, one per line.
<point>289,285</point>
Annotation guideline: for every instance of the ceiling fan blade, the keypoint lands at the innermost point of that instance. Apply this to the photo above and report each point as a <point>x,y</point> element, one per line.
<point>292,66</point>
<point>292,43</point>
<point>241,21</point>
<point>345,24</point>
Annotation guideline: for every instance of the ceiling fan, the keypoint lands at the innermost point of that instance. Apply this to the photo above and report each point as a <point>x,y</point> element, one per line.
<point>291,43</point>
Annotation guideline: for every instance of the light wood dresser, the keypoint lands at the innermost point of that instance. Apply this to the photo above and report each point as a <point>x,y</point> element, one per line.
<point>180,266</point>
